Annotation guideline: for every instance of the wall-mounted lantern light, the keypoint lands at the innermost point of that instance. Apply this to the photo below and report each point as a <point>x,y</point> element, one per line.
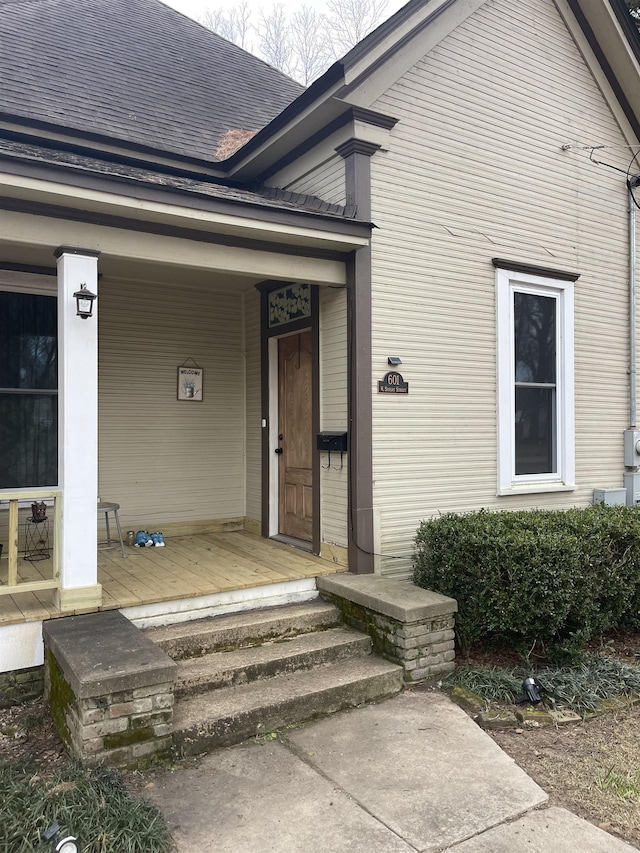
<point>84,301</point>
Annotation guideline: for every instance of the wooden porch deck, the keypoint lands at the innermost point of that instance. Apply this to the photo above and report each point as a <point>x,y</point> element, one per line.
<point>188,567</point>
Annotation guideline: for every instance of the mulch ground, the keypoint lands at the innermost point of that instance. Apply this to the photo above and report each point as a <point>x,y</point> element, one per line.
<point>27,733</point>
<point>591,768</point>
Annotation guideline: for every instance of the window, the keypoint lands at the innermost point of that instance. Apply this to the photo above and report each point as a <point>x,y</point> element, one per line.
<point>535,383</point>
<point>28,390</point>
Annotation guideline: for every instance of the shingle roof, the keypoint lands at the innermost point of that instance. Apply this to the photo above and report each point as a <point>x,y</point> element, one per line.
<point>270,197</point>
<point>132,70</point>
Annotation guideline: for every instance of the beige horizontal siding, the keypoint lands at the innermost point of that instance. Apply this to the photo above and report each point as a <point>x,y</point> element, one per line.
<point>475,171</point>
<point>164,460</point>
<point>333,412</point>
<point>324,180</point>
<point>253,404</point>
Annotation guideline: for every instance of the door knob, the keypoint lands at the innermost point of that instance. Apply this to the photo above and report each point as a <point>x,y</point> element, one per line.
<point>279,450</point>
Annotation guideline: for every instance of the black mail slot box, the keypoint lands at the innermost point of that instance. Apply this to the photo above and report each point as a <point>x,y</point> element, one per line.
<point>332,441</point>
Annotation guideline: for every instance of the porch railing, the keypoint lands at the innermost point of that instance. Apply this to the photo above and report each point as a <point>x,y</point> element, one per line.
<point>24,497</point>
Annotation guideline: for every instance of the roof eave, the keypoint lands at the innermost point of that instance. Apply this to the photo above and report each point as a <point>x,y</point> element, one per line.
<point>51,186</point>
<point>607,25</point>
<point>614,39</point>
<point>304,117</point>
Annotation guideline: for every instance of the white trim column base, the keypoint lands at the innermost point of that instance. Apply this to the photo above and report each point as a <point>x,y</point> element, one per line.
<point>79,598</point>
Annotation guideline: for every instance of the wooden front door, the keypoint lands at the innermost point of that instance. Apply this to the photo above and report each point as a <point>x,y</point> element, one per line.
<point>295,438</point>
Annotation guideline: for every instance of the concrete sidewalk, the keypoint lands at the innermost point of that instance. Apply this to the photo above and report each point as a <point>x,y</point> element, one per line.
<point>414,773</point>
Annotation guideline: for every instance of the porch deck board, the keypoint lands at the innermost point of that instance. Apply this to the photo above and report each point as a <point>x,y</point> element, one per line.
<point>188,567</point>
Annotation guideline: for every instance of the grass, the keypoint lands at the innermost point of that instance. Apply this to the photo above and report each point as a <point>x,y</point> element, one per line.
<point>625,786</point>
<point>93,805</point>
<point>581,687</point>
<point>590,768</point>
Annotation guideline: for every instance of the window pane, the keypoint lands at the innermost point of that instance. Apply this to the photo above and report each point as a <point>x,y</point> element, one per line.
<point>28,341</point>
<point>535,337</point>
<point>535,438</point>
<point>28,440</point>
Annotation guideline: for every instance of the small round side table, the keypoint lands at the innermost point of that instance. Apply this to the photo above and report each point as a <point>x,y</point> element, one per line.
<point>36,539</point>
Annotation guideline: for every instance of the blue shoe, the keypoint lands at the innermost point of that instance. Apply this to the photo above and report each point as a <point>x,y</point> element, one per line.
<point>158,540</point>
<point>143,540</point>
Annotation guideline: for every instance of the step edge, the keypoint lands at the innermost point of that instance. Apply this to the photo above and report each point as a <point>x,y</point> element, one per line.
<point>377,667</point>
<point>246,617</point>
<point>292,711</point>
<point>298,660</point>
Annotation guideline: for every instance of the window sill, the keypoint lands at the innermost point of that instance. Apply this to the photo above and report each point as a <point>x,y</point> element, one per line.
<point>537,489</point>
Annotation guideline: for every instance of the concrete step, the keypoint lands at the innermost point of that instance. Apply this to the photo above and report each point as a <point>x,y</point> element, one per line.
<point>232,714</point>
<point>224,669</point>
<point>252,627</point>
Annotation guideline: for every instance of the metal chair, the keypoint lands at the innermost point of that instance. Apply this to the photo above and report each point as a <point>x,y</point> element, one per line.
<point>106,507</point>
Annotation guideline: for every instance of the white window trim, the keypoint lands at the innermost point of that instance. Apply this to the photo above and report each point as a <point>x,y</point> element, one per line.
<point>563,479</point>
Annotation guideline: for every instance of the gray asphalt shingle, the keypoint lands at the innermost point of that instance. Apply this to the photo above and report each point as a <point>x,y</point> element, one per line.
<point>135,71</point>
<point>270,197</point>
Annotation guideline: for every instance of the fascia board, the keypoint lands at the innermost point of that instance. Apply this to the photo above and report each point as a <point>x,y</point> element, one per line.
<point>368,70</point>
<point>607,38</point>
<point>586,44</point>
<point>370,77</point>
<point>321,148</point>
<point>360,61</point>
<point>311,122</point>
<point>291,230</point>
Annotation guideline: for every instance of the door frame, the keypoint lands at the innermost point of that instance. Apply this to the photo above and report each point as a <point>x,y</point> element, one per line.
<point>270,409</point>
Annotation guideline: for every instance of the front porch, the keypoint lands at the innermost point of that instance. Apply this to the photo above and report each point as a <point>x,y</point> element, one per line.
<point>189,567</point>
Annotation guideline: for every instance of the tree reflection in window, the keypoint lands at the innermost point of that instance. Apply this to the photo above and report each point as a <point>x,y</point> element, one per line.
<point>28,390</point>
<point>535,381</point>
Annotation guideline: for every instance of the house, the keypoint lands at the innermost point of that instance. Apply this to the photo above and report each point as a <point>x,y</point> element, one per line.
<point>406,293</point>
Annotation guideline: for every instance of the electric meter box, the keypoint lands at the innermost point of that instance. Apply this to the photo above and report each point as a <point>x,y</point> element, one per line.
<point>632,448</point>
<point>632,485</point>
<point>610,497</point>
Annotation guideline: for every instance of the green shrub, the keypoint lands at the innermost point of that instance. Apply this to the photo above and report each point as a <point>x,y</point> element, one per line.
<point>532,576</point>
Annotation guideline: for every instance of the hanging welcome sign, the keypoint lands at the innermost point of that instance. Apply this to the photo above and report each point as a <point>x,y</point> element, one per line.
<point>190,380</point>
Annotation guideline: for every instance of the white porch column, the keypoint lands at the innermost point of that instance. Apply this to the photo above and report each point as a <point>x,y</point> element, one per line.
<point>78,432</point>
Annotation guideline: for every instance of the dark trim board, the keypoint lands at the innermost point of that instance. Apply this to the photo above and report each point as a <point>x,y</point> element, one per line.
<point>360,405</point>
<point>315,417</point>
<point>110,221</point>
<point>378,35</point>
<point>74,250</point>
<point>264,407</point>
<point>628,24</point>
<point>534,269</point>
<point>129,187</point>
<point>9,266</point>
<point>604,64</point>
<point>316,90</point>
<point>353,114</point>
